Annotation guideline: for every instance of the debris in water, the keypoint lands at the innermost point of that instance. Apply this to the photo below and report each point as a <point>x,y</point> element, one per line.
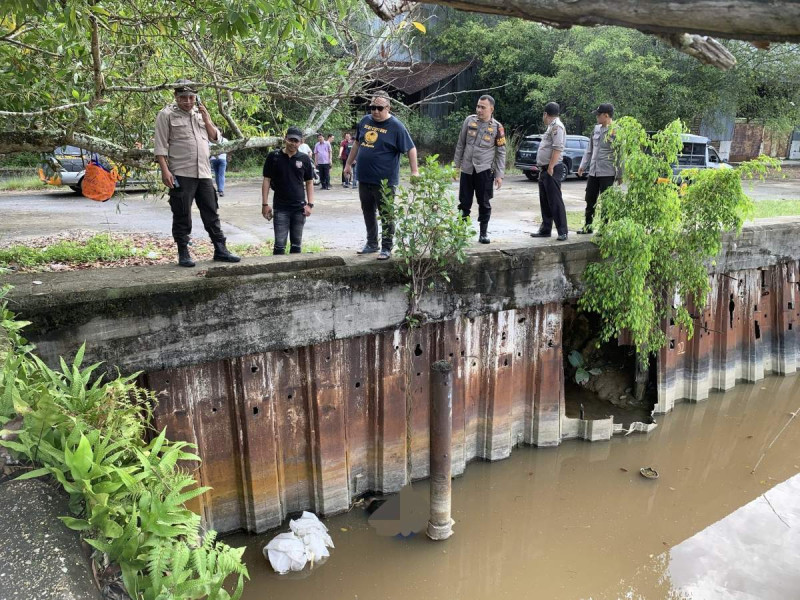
<point>649,473</point>
<point>308,541</point>
<point>623,469</point>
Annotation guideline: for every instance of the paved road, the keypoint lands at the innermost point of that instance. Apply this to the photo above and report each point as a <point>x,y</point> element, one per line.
<point>336,223</point>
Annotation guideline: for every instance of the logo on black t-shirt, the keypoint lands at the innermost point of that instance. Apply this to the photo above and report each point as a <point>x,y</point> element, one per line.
<point>298,164</point>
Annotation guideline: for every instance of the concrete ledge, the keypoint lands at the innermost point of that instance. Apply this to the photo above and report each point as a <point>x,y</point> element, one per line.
<point>164,317</point>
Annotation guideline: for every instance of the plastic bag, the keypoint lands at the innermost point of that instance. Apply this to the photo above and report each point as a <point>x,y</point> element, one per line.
<point>286,552</point>
<point>314,535</point>
<point>99,182</point>
<point>307,541</point>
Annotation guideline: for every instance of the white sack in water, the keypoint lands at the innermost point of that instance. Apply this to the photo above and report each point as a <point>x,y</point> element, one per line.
<point>286,552</point>
<point>314,535</point>
<point>308,541</point>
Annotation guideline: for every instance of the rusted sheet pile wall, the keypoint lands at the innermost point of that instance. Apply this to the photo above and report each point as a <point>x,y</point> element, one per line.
<point>748,328</point>
<point>316,426</point>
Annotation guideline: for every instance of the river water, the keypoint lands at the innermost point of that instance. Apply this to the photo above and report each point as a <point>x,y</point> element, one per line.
<point>578,521</point>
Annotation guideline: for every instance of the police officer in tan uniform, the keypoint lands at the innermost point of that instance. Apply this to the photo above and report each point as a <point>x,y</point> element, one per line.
<point>548,158</point>
<point>600,162</point>
<point>481,158</point>
<point>183,130</point>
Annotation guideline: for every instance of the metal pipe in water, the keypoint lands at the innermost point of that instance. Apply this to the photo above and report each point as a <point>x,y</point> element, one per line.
<point>440,524</point>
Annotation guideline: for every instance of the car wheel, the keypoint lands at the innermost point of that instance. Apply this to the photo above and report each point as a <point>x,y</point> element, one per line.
<point>78,189</point>
<point>564,172</point>
<point>530,175</point>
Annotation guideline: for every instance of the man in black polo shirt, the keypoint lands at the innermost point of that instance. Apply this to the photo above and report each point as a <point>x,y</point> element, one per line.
<point>287,172</point>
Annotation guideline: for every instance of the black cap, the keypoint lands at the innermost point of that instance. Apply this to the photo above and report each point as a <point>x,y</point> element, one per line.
<point>294,133</point>
<point>186,87</point>
<point>607,109</point>
<point>552,109</point>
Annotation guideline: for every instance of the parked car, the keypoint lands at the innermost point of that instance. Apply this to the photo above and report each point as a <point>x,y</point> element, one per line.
<point>67,166</point>
<point>697,153</point>
<point>573,154</point>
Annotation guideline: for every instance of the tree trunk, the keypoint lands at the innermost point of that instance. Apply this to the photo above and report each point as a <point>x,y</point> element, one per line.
<point>777,21</point>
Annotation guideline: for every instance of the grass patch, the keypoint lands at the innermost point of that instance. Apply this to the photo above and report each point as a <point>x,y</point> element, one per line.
<point>776,208</point>
<point>16,184</point>
<point>265,249</point>
<point>575,220</point>
<point>246,172</point>
<point>100,247</point>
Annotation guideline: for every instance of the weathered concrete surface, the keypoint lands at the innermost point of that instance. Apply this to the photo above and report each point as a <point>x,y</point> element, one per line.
<point>162,317</point>
<point>39,557</point>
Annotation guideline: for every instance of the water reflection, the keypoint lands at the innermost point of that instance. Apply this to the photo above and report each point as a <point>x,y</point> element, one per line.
<point>577,520</point>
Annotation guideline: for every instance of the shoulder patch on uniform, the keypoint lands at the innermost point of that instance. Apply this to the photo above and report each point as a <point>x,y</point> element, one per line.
<point>500,140</point>
<point>473,124</point>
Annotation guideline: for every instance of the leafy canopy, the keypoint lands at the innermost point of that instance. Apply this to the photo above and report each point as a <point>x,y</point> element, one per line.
<point>657,235</point>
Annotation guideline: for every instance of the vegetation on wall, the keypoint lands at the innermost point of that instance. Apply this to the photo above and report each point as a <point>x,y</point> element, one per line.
<point>431,235</point>
<point>127,495</point>
<point>658,234</point>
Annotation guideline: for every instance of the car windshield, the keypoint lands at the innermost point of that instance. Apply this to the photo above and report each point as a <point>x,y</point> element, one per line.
<point>529,145</point>
<point>692,155</point>
<point>68,151</point>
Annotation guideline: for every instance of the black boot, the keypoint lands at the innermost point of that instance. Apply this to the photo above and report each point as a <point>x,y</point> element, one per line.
<point>221,253</point>
<point>184,258</point>
<point>484,238</point>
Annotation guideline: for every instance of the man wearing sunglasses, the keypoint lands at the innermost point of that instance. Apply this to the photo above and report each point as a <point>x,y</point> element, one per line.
<point>481,158</point>
<point>380,140</point>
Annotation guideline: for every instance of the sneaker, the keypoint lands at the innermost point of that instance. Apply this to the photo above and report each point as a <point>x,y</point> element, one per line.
<point>384,255</point>
<point>367,250</point>
<point>562,237</point>
<point>221,194</point>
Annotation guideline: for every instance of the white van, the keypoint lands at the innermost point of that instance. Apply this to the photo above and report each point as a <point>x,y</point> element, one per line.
<point>697,153</point>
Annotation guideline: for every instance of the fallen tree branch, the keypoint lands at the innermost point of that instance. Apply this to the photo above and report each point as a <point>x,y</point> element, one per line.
<point>777,21</point>
<point>46,141</point>
<point>44,111</point>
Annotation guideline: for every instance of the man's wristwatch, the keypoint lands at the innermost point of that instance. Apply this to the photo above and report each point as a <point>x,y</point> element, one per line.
<point>309,205</point>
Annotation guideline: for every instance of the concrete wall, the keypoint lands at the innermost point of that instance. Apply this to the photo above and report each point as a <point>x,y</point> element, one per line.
<point>302,392</point>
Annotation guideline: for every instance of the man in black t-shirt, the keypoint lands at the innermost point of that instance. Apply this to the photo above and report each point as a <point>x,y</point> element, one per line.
<point>290,174</point>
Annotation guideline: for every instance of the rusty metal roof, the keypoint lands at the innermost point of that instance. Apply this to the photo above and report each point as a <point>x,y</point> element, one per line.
<point>411,78</point>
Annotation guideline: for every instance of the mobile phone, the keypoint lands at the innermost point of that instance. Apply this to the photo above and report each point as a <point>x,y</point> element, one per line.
<point>198,101</point>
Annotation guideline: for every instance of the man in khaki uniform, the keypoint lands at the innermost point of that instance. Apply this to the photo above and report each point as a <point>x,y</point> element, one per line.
<point>183,130</point>
<point>481,158</point>
<point>548,158</point>
<point>602,165</point>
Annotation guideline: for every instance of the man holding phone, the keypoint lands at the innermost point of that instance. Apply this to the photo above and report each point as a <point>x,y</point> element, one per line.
<point>183,130</point>
<point>290,174</point>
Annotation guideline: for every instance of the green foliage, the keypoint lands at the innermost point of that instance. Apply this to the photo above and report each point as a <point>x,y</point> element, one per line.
<point>13,184</point>
<point>431,235</point>
<point>127,495</point>
<point>641,76</point>
<point>582,374</point>
<point>657,236</point>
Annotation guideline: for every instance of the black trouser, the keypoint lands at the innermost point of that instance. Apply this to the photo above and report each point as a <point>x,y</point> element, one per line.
<point>180,201</point>
<point>479,185</point>
<point>372,202</point>
<point>288,222</point>
<point>324,175</point>
<point>551,202</point>
<point>594,187</point>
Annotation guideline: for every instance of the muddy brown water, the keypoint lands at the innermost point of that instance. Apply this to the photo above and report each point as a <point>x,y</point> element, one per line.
<point>578,520</point>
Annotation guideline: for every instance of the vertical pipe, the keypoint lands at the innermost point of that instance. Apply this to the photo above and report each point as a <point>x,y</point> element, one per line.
<point>440,525</point>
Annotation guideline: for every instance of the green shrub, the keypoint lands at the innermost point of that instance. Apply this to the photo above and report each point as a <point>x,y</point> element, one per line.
<point>127,495</point>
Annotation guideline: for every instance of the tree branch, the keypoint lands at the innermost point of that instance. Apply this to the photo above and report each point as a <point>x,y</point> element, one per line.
<point>777,21</point>
<point>44,111</point>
